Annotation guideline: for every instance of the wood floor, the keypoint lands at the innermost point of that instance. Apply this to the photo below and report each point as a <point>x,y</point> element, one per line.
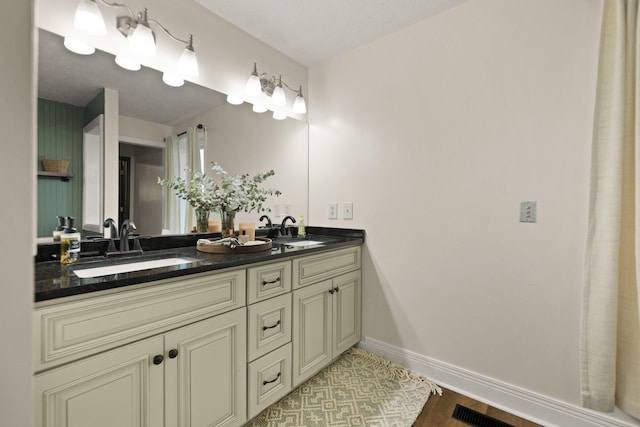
<point>437,412</point>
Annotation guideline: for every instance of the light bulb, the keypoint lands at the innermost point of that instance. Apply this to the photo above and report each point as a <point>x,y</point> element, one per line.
<point>172,79</point>
<point>254,87</point>
<point>235,99</point>
<point>278,97</point>
<point>88,18</point>
<point>128,63</point>
<point>188,63</point>
<point>142,41</point>
<point>79,47</point>
<point>299,106</point>
<point>259,108</point>
<point>279,115</point>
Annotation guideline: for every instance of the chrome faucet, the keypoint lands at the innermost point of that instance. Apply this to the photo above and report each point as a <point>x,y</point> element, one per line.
<point>283,229</point>
<point>127,226</point>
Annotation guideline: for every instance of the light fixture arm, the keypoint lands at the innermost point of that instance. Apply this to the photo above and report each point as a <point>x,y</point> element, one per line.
<point>189,42</point>
<point>114,5</point>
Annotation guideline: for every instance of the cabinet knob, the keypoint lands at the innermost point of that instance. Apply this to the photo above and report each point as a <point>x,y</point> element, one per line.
<point>157,359</point>
<point>337,289</point>
<point>173,353</point>
<point>331,291</point>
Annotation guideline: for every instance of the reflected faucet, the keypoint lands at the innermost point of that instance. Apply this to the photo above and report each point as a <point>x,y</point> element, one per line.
<point>127,226</point>
<point>283,229</point>
<point>113,227</point>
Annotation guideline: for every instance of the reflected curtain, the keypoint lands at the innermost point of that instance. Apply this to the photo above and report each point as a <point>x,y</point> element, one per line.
<point>611,321</point>
<point>171,202</point>
<point>193,163</point>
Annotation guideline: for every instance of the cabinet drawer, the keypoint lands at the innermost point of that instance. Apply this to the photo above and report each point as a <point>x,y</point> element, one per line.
<point>269,325</point>
<point>267,281</point>
<point>68,331</point>
<point>314,268</point>
<point>269,379</point>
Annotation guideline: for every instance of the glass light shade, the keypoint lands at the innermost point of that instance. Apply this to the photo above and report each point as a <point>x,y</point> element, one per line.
<point>299,106</point>
<point>254,87</point>
<point>278,98</point>
<point>172,79</point>
<point>188,63</point>
<point>259,108</point>
<point>279,115</point>
<point>235,99</point>
<point>79,47</point>
<point>128,63</point>
<point>142,41</point>
<point>88,18</point>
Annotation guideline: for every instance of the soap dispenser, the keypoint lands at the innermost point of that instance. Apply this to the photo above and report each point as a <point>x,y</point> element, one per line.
<point>301,231</point>
<point>57,232</point>
<point>70,243</point>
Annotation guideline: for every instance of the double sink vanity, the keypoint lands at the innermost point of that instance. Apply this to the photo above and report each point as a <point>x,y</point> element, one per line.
<point>178,337</point>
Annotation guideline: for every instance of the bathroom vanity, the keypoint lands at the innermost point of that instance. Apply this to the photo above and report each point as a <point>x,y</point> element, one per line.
<point>210,342</point>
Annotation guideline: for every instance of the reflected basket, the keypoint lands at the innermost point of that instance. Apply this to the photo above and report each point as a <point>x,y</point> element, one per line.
<point>50,165</point>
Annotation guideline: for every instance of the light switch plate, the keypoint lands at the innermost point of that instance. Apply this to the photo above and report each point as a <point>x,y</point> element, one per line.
<point>528,212</point>
<point>276,210</point>
<point>332,210</point>
<point>347,210</point>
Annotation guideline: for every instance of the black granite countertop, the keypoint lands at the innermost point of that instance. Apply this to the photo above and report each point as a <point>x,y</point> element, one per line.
<point>54,280</point>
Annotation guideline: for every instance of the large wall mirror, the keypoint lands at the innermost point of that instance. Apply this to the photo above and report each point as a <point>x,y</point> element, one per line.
<point>71,94</point>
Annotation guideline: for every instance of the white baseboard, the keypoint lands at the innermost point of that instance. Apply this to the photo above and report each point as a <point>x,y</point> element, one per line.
<point>524,403</point>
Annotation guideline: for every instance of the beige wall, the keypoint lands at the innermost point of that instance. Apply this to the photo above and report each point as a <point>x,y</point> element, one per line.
<point>436,133</point>
<point>17,190</point>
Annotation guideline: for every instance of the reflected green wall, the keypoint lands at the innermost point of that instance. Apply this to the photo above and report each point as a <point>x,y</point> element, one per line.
<point>59,137</point>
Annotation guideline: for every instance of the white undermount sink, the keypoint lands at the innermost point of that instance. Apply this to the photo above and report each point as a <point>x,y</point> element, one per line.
<point>107,270</point>
<point>303,243</point>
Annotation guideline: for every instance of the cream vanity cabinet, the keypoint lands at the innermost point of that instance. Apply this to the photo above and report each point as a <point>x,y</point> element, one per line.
<point>326,309</point>
<point>171,354</point>
<point>269,326</point>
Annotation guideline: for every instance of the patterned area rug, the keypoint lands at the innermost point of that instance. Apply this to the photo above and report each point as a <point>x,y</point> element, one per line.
<point>358,389</point>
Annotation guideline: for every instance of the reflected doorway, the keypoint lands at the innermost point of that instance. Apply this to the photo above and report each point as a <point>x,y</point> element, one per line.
<point>140,195</point>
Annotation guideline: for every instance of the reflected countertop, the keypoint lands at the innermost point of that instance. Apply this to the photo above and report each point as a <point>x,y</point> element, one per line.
<point>54,280</point>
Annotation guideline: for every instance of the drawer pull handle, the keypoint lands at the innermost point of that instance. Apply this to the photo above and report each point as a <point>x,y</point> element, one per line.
<point>264,328</point>
<point>157,359</point>
<point>173,353</point>
<point>272,381</point>
<point>270,282</point>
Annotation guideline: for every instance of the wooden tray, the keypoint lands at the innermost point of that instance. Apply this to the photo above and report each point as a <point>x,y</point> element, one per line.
<point>258,245</point>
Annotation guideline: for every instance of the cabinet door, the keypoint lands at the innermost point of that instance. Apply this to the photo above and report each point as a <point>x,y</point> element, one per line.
<point>346,312</point>
<point>312,307</point>
<point>122,387</point>
<point>205,372</point>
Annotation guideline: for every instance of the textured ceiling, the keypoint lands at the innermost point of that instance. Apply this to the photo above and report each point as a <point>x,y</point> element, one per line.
<point>310,31</point>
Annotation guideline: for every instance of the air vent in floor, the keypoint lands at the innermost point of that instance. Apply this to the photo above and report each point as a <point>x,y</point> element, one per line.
<point>476,419</point>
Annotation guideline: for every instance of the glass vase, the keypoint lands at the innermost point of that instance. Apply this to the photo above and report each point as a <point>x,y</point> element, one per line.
<point>202,220</point>
<point>227,219</point>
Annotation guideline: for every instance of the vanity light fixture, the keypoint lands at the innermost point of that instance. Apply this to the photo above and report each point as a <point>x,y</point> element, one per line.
<point>259,83</point>
<point>79,47</point>
<point>128,63</point>
<point>172,79</point>
<point>88,18</point>
<point>137,30</point>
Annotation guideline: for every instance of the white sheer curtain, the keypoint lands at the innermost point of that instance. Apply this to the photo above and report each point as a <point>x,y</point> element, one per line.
<point>181,153</point>
<point>194,163</point>
<point>611,320</point>
<point>171,203</point>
